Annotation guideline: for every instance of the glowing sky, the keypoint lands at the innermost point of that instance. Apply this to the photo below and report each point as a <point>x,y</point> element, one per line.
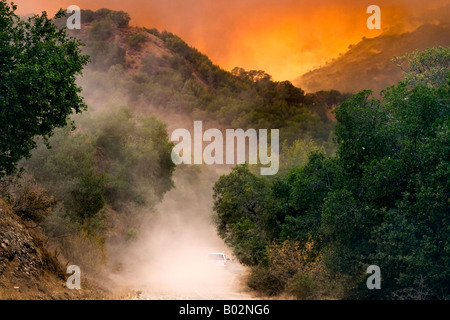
<point>285,38</point>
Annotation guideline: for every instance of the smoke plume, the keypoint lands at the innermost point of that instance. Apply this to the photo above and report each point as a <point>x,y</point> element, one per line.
<point>284,38</point>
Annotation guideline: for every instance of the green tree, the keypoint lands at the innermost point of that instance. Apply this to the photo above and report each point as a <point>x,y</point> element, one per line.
<point>428,67</point>
<point>383,199</point>
<point>116,160</point>
<point>240,199</point>
<point>68,172</point>
<point>390,203</point>
<point>135,156</point>
<point>298,198</point>
<point>38,67</point>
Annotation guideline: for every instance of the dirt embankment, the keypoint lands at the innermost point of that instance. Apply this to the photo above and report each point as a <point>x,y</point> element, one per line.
<point>28,270</point>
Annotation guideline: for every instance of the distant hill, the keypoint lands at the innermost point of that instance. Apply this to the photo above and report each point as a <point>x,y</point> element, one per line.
<point>368,65</point>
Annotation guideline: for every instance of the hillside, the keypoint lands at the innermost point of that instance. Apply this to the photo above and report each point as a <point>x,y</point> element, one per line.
<point>27,268</point>
<point>156,72</point>
<point>368,64</point>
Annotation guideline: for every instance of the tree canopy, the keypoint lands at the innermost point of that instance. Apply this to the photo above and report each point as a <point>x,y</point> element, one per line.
<point>38,68</point>
<point>383,199</point>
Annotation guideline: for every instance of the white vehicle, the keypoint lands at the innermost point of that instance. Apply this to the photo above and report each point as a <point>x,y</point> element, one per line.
<point>219,259</point>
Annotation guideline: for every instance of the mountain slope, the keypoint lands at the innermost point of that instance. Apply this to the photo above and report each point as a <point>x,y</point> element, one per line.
<point>157,72</point>
<point>27,269</point>
<point>368,65</point>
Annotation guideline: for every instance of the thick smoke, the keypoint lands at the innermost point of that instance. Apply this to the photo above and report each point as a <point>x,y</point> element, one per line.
<point>170,258</point>
<point>284,38</point>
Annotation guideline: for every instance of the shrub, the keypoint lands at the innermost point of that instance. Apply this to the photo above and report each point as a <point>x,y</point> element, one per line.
<point>290,257</point>
<point>68,172</point>
<point>31,202</point>
<point>302,286</point>
<point>247,243</point>
<point>87,16</point>
<point>264,281</point>
<point>104,55</point>
<point>85,250</point>
<point>119,18</point>
<point>131,234</point>
<point>136,40</point>
<point>151,65</point>
<point>289,266</point>
<point>153,31</point>
<point>57,225</point>
<point>87,198</point>
<point>100,31</point>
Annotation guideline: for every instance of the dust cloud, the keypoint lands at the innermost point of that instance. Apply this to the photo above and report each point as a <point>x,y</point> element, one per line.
<point>169,260</point>
<point>169,257</point>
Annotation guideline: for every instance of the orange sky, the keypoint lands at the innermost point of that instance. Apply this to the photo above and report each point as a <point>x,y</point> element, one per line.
<point>285,38</point>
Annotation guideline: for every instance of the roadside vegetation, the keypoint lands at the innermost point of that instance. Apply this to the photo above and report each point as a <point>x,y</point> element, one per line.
<point>383,199</point>
<point>81,180</point>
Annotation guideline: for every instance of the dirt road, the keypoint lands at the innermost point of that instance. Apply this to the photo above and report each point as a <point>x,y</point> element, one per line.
<point>218,285</point>
<point>170,258</point>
